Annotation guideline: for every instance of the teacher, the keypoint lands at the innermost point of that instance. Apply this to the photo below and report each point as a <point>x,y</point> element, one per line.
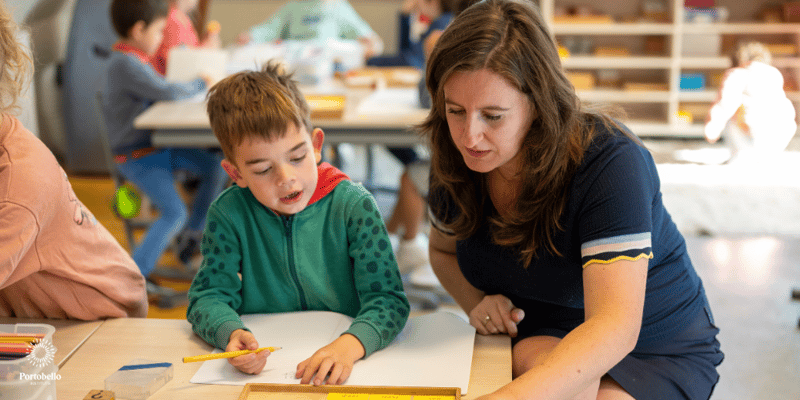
<point>549,226</point>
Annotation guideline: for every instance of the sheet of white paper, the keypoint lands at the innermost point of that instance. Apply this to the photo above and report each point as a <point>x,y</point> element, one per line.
<point>432,350</point>
<point>390,101</point>
<point>186,64</point>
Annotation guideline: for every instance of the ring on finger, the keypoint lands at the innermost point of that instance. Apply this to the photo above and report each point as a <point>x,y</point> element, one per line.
<point>487,319</point>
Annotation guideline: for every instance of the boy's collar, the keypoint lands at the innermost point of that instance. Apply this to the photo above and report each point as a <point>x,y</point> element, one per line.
<point>128,48</point>
<point>328,177</point>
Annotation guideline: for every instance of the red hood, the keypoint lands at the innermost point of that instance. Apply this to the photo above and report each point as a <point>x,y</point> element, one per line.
<point>328,178</point>
<point>128,49</point>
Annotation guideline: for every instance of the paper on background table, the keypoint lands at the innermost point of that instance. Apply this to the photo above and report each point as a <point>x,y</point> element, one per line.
<point>186,64</point>
<point>390,101</point>
<point>433,350</point>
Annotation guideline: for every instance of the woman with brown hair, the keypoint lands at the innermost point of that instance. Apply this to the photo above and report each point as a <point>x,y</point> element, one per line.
<point>549,224</point>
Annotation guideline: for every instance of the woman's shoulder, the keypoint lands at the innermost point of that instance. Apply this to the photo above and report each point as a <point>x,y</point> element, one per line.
<point>613,146</point>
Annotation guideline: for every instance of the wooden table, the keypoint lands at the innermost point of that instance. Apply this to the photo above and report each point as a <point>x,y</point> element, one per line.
<point>185,123</point>
<point>118,341</point>
<point>68,337</point>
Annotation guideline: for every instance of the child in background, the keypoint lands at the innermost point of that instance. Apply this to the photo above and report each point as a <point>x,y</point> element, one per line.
<point>291,235</point>
<point>752,109</point>
<point>129,88</point>
<point>56,260</point>
<point>413,50</point>
<point>179,31</point>
<point>315,20</point>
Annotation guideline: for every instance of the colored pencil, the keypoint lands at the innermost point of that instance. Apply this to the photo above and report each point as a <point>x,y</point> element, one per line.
<point>229,354</point>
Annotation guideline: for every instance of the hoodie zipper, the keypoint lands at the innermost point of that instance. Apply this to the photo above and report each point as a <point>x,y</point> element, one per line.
<point>287,225</point>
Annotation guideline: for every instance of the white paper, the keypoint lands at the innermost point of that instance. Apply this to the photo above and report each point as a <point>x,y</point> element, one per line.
<point>390,101</point>
<point>186,64</point>
<point>433,350</point>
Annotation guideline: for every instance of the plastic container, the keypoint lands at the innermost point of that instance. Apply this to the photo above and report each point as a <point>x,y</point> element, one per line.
<point>139,379</point>
<point>33,377</point>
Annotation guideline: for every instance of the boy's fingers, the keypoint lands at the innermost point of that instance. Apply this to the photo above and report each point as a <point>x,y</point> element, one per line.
<point>309,371</point>
<point>336,374</point>
<point>323,370</point>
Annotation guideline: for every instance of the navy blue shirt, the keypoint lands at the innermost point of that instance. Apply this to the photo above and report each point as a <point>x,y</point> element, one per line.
<point>614,211</point>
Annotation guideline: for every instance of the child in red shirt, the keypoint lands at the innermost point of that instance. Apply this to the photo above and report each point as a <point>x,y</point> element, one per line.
<point>179,31</point>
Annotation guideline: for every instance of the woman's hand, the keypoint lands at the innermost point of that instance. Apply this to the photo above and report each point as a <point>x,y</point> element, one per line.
<point>496,314</point>
<point>252,363</point>
<point>334,361</point>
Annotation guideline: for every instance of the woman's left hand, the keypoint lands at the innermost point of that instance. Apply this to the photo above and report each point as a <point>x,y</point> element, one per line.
<point>496,314</point>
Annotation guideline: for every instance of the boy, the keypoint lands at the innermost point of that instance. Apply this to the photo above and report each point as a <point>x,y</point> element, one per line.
<point>299,235</point>
<point>131,86</point>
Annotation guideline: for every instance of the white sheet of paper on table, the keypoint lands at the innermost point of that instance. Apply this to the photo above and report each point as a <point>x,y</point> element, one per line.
<point>390,101</point>
<point>433,350</point>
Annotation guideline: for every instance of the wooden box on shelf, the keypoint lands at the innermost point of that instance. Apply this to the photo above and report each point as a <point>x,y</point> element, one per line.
<point>645,86</point>
<point>581,80</point>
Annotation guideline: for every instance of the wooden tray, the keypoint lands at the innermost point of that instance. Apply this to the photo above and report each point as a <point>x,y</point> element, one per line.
<point>326,106</point>
<point>258,391</point>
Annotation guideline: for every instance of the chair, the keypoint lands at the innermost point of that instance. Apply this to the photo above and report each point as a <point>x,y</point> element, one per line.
<point>166,297</point>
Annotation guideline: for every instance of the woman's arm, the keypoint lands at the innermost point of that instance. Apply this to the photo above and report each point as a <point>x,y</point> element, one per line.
<point>442,252</point>
<point>614,302</point>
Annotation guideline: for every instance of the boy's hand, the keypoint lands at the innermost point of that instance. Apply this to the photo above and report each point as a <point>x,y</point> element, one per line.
<point>336,359</point>
<point>252,363</point>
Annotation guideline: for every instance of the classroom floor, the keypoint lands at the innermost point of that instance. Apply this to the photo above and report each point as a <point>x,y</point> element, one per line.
<point>748,280</point>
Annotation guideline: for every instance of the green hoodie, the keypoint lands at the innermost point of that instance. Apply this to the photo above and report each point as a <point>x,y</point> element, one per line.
<point>334,255</point>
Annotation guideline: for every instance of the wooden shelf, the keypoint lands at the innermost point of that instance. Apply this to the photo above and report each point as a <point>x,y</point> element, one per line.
<point>705,62</point>
<point>624,96</point>
<point>740,28</point>
<point>613,29</point>
<point>673,64</point>
<point>634,62</point>
<point>655,129</point>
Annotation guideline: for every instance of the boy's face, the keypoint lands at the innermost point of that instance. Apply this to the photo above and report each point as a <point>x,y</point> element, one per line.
<point>282,173</point>
<point>148,37</point>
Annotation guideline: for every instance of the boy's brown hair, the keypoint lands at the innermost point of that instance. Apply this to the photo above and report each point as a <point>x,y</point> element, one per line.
<point>260,104</point>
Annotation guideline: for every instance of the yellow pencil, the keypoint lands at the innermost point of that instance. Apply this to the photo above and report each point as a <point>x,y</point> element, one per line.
<point>229,354</point>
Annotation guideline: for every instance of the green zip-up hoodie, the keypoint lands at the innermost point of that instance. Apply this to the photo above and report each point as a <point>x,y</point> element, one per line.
<point>334,255</point>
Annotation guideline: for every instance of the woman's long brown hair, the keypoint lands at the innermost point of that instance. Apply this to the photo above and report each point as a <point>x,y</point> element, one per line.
<point>509,38</point>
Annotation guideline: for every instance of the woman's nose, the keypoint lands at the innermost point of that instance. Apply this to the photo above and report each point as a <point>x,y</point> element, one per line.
<point>473,132</point>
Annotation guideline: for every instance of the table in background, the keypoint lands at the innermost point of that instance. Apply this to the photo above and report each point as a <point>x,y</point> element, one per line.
<point>185,123</point>
<point>68,337</point>
<point>119,341</point>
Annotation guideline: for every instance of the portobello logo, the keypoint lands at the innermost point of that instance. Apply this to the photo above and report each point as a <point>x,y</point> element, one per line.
<point>42,354</point>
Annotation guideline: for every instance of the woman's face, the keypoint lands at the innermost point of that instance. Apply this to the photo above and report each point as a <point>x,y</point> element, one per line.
<point>488,120</point>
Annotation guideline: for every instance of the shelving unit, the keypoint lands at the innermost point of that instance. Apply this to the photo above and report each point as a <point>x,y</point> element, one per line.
<point>655,112</point>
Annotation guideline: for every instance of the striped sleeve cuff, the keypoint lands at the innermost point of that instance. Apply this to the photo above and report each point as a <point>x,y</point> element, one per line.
<point>624,247</point>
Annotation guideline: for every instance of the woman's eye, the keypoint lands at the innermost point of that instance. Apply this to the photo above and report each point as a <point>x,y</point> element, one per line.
<point>455,112</point>
<point>492,117</point>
